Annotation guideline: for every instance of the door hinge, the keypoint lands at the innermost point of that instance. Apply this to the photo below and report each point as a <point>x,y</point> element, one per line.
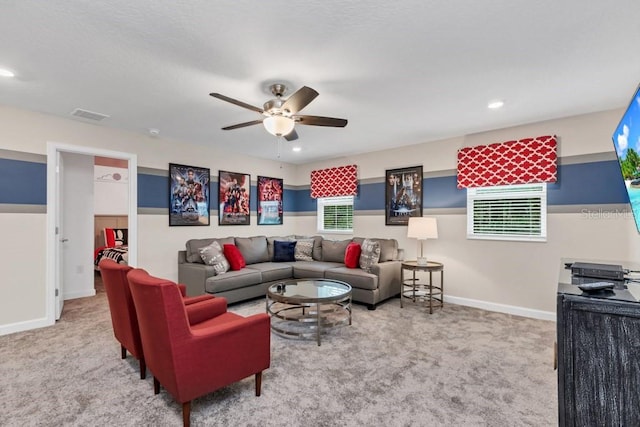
<point>57,231</point>
<point>57,291</point>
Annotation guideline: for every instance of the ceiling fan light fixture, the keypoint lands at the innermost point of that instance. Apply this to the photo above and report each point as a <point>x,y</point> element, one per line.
<point>278,125</point>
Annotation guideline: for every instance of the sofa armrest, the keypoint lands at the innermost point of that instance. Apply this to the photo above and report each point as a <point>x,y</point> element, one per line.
<point>194,276</point>
<point>388,273</point>
<point>204,310</point>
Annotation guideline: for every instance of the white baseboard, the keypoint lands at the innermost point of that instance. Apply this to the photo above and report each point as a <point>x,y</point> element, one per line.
<point>502,308</point>
<point>23,326</point>
<point>79,294</point>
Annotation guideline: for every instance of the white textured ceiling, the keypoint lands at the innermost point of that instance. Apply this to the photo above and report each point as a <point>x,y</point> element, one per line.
<point>401,72</point>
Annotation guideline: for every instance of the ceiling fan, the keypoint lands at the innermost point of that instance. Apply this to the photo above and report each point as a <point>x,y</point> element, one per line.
<point>282,114</point>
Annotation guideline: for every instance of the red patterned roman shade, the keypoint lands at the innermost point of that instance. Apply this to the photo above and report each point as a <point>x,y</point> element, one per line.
<point>334,182</point>
<point>514,162</point>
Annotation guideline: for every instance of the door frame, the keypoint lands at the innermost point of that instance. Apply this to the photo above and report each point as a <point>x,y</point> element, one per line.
<point>53,148</point>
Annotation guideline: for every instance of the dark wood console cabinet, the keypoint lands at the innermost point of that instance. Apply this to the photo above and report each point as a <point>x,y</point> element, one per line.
<point>598,355</point>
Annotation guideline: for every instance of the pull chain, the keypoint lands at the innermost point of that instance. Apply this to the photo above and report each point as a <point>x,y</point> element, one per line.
<point>279,148</point>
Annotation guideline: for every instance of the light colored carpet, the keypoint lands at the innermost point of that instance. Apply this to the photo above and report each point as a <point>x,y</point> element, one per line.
<point>393,367</point>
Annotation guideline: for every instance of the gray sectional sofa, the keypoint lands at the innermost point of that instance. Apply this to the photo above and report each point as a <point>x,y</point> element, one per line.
<point>382,282</point>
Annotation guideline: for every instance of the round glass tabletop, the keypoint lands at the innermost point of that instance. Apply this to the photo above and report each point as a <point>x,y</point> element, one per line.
<point>309,290</point>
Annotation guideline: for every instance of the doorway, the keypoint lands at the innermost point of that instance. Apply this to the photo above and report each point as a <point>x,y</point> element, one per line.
<point>57,176</point>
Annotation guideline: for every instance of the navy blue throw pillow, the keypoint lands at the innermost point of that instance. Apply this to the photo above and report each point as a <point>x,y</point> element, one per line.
<point>284,251</point>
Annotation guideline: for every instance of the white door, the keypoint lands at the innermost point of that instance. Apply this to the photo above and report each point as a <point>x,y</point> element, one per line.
<point>77,225</point>
<point>60,240</point>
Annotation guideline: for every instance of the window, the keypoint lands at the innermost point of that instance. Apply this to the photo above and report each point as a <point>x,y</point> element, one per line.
<point>335,214</point>
<point>508,212</point>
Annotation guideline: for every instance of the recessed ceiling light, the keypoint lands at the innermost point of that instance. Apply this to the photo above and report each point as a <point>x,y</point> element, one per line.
<point>6,73</point>
<point>494,105</point>
<point>297,149</point>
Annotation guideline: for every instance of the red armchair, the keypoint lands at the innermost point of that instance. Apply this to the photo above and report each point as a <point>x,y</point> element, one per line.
<point>194,354</point>
<point>123,312</point>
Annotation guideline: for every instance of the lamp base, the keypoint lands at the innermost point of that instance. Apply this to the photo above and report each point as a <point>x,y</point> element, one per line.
<point>421,261</point>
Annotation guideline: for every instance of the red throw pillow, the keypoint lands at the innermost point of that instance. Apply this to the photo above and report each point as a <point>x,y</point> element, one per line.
<point>234,256</point>
<point>109,237</point>
<point>352,255</point>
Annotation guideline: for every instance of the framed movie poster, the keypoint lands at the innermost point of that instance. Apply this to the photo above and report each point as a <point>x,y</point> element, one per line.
<point>234,190</point>
<point>270,192</point>
<point>403,195</point>
<point>188,195</point>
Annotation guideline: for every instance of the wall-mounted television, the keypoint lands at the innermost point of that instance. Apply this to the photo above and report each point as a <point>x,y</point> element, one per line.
<point>626,140</point>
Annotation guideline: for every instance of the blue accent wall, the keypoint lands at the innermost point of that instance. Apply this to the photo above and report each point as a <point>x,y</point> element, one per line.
<point>588,183</point>
<point>153,191</point>
<point>584,183</point>
<point>23,182</point>
<point>370,197</point>
<point>443,192</point>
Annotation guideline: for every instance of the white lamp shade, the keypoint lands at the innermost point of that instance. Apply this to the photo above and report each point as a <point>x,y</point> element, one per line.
<point>422,228</point>
<point>278,125</point>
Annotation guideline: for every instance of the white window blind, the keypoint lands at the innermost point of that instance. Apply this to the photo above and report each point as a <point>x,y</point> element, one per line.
<point>509,212</point>
<point>335,214</point>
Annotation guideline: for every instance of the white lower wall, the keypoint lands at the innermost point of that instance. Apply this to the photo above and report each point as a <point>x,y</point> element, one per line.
<point>22,263</point>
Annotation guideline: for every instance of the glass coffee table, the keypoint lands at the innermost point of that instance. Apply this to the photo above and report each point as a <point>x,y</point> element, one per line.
<point>305,308</point>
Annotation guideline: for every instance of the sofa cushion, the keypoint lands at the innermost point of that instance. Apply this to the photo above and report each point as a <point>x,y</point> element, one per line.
<point>312,269</point>
<point>333,250</point>
<point>355,277</point>
<point>254,249</point>
<point>370,254</point>
<point>388,248</point>
<point>193,247</point>
<point>272,271</point>
<point>235,258</point>
<point>304,250</point>
<point>270,241</point>
<point>213,255</point>
<point>352,255</point>
<point>233,280</point>
<point>284,251</point>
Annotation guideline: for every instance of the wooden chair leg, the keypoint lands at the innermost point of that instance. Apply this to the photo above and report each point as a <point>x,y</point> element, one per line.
<point>258,383</point>
<point>123,352</point>
<point>186,414</point>
<point>143,369</point>
<point>156,386</point>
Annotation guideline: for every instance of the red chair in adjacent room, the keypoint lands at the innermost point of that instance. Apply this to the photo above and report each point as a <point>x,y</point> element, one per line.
<point>123,312</point>
<point>195,352</point>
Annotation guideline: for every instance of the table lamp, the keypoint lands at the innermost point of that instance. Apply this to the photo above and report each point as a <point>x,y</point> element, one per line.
<point>422,228</point>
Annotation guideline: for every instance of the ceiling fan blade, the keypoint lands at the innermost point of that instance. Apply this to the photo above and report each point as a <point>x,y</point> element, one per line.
<point>236,102</point>
<point>300,99</point>
<point>321,121</point>
<point>291,136</point>
<point>242,125</point>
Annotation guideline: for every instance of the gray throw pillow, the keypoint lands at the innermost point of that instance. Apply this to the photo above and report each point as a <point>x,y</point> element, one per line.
<point>304,250</point>
<point>213,255</point>
<point>370,254</point>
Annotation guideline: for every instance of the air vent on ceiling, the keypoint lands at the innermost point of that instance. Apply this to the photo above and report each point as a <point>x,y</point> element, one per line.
<point>91,115</point>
